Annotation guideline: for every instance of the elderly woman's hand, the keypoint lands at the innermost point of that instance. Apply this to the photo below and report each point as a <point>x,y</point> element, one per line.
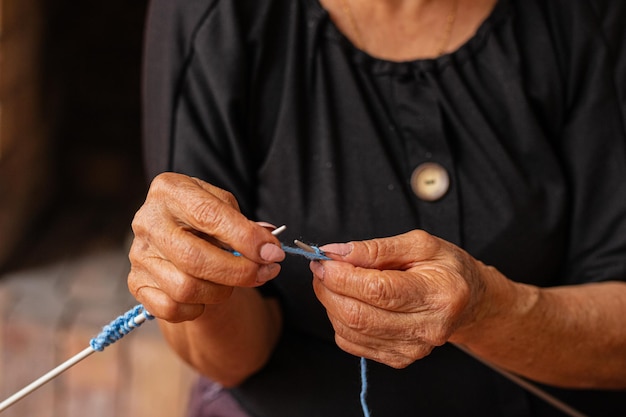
<point>178,259</point>
<point>394,299</point>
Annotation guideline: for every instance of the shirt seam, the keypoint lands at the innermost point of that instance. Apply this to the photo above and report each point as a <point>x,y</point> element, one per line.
<point>181,79</point>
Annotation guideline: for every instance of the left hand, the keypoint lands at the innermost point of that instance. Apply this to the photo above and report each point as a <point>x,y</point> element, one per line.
<point>394,299</point>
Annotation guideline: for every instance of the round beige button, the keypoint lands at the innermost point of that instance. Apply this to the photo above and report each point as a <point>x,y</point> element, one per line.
<point>430,181</point>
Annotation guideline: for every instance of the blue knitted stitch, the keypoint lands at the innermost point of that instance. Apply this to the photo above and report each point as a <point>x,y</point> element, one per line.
<point>119,328</point>
<point>317,256</point>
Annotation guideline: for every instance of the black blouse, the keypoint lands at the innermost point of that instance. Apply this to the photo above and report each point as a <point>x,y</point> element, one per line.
<point>266,98</point>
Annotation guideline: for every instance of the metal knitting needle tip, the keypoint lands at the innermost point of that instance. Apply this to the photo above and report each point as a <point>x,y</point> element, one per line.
<point>304,246</point>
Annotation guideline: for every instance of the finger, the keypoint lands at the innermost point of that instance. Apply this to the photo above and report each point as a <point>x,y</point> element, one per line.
<point>393,333</point>
<point>199,258</point>
<point>398,252</point>
<point>407,320</point>
<point>388,290</point>
<point>390,357</point>
<point>193,254</point>
<point>158,303</point>
<point>183,288</point>
<point>424,307</point>
<point>215,212</point>
<point>352,316</point>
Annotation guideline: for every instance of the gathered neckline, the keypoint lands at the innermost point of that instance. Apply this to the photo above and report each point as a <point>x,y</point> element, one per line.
<point>500,11</point>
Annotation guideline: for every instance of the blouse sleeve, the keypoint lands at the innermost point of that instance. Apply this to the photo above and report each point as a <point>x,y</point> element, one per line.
<point>195,86</point>
<point>594,144</point>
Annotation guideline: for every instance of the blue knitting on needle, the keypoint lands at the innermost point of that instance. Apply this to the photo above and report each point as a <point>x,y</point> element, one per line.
<point>136,316</point>
<point>111,333</point>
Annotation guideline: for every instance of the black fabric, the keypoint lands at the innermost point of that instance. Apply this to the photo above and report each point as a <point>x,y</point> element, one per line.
<point>267,99</point>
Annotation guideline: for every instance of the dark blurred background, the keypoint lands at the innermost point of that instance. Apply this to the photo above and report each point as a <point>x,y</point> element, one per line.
<point>71,174</point>
<point>71,179</point>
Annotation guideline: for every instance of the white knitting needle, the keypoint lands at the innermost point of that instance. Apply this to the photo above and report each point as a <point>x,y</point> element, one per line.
<point>45,378</point>
<point>279,230</point>
<point>137,321</point>
<point>59,370</point>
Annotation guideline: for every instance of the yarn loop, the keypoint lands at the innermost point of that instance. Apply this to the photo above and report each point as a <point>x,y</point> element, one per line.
<point>318,255</point>
<point>120,327</point>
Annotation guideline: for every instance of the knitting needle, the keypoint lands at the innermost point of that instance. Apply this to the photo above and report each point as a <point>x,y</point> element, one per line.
<point>565,408</point>
<point>135,322</point>
<point>304,246</point>
<point>532,388</point>
<point>46,378</point>
<point>279,230</point>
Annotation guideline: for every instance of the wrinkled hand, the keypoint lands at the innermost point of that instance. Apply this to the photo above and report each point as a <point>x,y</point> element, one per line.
<point>394,299</point>
<point>178,261</point>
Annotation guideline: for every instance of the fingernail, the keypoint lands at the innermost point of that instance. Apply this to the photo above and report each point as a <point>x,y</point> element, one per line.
<point>341,249</point>
<point>266,225</point>
<point>267,272</point>
<point>271,253</point>
<point>318,269</point>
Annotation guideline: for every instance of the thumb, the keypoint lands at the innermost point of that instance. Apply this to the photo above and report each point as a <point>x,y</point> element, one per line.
<point>399,252</point>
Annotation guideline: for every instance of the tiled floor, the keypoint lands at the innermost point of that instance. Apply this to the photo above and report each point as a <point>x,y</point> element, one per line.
<point>48,313</point>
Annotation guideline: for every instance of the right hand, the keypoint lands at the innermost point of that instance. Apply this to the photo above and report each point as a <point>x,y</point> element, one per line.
<point>178,261</point>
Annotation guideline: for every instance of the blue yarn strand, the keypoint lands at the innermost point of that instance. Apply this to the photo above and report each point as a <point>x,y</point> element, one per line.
<point>318,255</point>
<point>363,395</point>
<point>126,323</point>
<point>119,328</point>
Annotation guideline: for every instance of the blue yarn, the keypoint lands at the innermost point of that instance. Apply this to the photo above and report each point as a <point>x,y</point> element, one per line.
<point>119,328</point>
<point>126,323</point>
<point>320,256</point>
<point>363,395</point>
<point>317,256</point>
